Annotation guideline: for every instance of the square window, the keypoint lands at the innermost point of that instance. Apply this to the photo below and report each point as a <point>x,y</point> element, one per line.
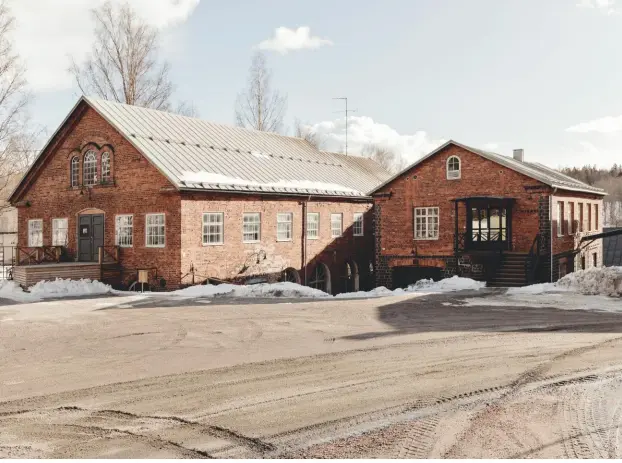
<point>426,223</point>
<point>357,226</point>
<point>124,230</point>
<point>35,233</point>
<point>284,226</point>
<point>59,232</point>
<point>251,227</point>
<point>336,225</point>
<point>213,228</point>
<point>155,231</point>
<point>313,225</point>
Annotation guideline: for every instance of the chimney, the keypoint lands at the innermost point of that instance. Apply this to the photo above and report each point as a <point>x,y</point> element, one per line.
<point>519,155</point>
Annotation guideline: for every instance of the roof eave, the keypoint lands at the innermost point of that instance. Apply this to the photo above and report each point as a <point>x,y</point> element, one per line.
<point>276,193</point>
<point>581,190</point>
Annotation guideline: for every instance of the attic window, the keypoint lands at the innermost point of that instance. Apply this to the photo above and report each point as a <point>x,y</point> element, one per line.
<point>453,168</point>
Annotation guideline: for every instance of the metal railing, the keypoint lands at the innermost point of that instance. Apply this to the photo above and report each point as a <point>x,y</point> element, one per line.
<point>533,260</point>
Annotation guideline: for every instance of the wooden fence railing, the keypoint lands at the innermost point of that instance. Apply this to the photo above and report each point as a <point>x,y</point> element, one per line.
<point>38,255</point>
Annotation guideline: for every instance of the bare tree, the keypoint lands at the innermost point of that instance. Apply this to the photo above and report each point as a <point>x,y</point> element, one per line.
<point>16,139</point>
<point>304,131</point>
<point>124,65</point>
<point>258,106</point>
<point>384,156</point>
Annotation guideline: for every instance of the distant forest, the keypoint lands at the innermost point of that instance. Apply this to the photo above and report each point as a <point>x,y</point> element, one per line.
<point>609,180</point>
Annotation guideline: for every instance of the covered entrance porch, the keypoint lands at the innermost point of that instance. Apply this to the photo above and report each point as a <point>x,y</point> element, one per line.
<point>487,224</point>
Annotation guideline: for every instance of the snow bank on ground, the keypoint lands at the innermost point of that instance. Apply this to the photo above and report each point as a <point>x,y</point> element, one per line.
<point>65,288</point>
<point>11,290</point>
<point>454,283</point>
<point>380,291</point>
<point>284,289</point>
<point>604,281</point>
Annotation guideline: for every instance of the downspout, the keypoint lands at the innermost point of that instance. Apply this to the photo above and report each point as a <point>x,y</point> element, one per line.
<point>304,239</point>
<point>551,228</point>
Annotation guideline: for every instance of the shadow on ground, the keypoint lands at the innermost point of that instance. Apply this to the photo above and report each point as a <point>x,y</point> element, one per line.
<point>449,312</point>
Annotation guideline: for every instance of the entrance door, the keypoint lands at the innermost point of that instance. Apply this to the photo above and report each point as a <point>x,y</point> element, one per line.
<point>487,226</point>
<point>90,236</point>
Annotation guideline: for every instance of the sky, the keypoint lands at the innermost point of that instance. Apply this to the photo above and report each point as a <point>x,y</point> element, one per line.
<point>542,75</point>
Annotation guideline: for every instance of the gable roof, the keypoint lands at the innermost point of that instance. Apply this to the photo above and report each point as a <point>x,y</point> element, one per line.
<point>196,155</point>
<point>534,170</point>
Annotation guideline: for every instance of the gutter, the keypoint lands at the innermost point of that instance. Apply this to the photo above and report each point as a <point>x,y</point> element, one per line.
<point>551,228</point>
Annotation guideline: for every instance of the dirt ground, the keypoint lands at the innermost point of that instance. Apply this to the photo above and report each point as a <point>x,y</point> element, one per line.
<point>464,375</point>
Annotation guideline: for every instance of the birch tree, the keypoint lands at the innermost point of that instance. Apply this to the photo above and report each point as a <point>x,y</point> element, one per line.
<point>124,65</point>
<point>260,107</point>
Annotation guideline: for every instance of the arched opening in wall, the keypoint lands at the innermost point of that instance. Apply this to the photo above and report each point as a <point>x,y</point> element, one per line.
<point>291,274</point>
<point>320,278</point>
<point>350,277</point>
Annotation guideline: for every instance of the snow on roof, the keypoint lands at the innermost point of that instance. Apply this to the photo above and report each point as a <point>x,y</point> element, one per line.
<point>533,170</point>
<point>199,155</point>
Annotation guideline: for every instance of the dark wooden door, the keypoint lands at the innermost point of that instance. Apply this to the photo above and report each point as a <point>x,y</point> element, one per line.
<point>90,236</point>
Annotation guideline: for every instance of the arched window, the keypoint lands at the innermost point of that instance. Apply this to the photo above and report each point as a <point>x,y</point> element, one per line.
<point>453,168</point>
<point>75,171</point>
<point>90,168</point>
<point>106,167</point>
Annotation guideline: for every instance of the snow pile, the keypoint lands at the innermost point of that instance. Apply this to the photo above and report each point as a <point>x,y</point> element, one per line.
<point>380,291</point>
<point>11,290</point>
<point>65,288</point>
<point>604,281</point>
<point>284,289</point>
<point>454,283</point>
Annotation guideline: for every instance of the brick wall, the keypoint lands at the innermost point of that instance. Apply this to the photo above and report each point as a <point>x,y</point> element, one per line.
<point>236,260</point>
<point>136,190</point>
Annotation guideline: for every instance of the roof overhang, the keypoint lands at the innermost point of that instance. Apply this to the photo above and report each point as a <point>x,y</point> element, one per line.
<point>483,198</point>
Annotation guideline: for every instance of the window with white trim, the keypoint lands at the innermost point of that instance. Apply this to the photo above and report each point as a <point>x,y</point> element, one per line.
<point>284,226</point>
<point>426,223</point>
<point>560,218</point>
<point>59,232</point>
<point>124,230</point>
<point>251,227</point>
<point>213,228</point>
<point>357,226</point>
<point>35,233</point>
<point>75,171</point>
<point>453,168</point>
<point>336,225</point>
<point>90,168</point>
<point>155,230</point>
<point>106,170</point>
<point>313,225</point>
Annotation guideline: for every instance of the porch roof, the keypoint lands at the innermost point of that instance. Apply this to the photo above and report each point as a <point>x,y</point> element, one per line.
<point>484,198</point>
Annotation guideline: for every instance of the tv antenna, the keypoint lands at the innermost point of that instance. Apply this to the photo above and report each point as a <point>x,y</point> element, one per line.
<point>347,111</point>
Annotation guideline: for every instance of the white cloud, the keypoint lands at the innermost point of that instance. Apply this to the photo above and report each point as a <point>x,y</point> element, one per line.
<point>609,124</point>
<point>491,146</point>
<point>606,5</point>
<point>286,39</point>
<point>363,131</point>
<point>48,33</point>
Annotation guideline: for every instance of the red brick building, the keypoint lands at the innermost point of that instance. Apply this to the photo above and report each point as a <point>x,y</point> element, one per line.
<point>460,210</point>
<point>189,200</point>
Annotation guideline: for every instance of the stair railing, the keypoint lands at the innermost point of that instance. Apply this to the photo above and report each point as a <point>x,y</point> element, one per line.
<point>533,260</point>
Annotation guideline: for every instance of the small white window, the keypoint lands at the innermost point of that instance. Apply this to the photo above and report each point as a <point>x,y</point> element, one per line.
<point>426,223</point>
<point>155,230</point>
<point>560,218</point>
<point>106,171</point>
<point>357,227</point>
<point>35,233</point>
<point>213,228</point>
<point>124,230</point>
<point>75,171</point>
<point>284,226</point>
<point>313,225</point>
<point>453,168</point>
<point>251,227</point>
<point>59,232</point>
<point>336,225</point>
<point>90,168</point>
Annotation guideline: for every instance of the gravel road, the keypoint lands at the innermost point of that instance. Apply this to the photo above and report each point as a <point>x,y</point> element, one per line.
<point>398,377</point>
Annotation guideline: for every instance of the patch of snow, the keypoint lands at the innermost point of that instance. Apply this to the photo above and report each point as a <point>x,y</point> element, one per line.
<point>269,290</point>
<point>68,288</point>
<point>454,283</point>
<point>380,291</point>
<point>604,281</point>
<point>11,290</point>
<point>211,177</point>
<point>259,154</point>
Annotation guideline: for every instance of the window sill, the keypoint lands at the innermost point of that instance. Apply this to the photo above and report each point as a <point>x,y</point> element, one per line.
<point>126,246</point>
<point>425,239</point>
<point>156,247</point>
<point>314,238</point>
<point>455,178</point>
<point>251,242</point>
<point>284,241</point>
<point>205,245</point>
<point>358,235</point>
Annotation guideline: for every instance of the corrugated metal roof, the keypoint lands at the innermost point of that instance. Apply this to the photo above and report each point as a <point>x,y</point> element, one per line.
<point>533,170</point>
<point>199,155</point>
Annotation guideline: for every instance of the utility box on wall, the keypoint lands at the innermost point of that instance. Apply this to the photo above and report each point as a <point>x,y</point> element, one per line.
<point>143,276</point>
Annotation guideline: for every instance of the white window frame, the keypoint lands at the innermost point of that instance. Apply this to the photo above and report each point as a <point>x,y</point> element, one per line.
<point>55,231</point>
<point>358,228</point>
<point>332,225</point>
<point>106,163</point>
<point>455,174</point>
<point>118,226</point>
<point>313,233</point>
<point>149,226</point>
<point>286,219</point>
<point>254,224</point>
<point>560,218</point>
<point>31,242</point>
<point>205,228</point>
<point>74,175</point>
<point>429,212</point>
<point>91,169</point>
